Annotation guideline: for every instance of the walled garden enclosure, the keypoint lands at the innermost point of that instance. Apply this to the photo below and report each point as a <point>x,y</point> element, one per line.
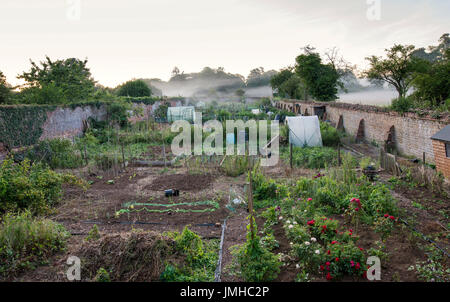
<point>314,216</point>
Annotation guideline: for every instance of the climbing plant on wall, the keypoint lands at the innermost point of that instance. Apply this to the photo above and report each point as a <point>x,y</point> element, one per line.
<point>22,125</point>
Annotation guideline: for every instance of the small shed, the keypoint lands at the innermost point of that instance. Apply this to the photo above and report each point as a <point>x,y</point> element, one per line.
<point>441,149</point>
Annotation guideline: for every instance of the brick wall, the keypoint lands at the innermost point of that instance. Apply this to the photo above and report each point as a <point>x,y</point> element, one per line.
<point>412,134</point>
<point>441,159</point>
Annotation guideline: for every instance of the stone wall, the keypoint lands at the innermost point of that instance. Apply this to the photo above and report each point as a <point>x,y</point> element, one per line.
<point>412,134</point>
<point>67,122</point>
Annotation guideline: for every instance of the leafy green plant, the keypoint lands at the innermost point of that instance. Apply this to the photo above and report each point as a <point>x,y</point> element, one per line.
<point>401,104</point>
<point>31,186</point>
<point>93,234</point>
<point>269,242</point>
<point>102,275</point>
<point>263,188</point>
<point>270,215</point>
<point>57,153</point>
<point>433,269</point>
<point>311,157</point>
<point>235,165</point>
<point>384,225</point>
<point>200,259</point>
<point>26,242</point>
<point>253,261</point>
<point>379,251</point>
<point>330,135</point>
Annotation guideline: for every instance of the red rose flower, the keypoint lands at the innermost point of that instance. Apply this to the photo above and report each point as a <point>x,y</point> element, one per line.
<point>310,199</point>
<point>322,267</point>
<point>327,263</point>
<point>391,217</point>
<point>329,277</point>
<point>329,252</point>
<point>386,215</point>
<point>333,242</point>
<point>357,265</point>
<point>337,259</point>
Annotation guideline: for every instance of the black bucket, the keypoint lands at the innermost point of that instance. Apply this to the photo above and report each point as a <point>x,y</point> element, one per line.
<point>172,192</point>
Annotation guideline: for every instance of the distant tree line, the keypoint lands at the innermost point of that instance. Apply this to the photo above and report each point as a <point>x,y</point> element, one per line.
<point>420,76</point>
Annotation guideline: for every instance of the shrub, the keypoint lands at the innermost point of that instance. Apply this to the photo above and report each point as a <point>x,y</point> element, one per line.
<point>385,225</point>
<point>253,261</point>
<point>31,186</point>
<point>102,275</point>
<point>270,214</point>
<point>118,112</point>
<point>57,153</point>
<point>107,161</point>
<point>26,241</point>
<point>330,136</point>
<point>134,88</point>
<point>263,188</point>
<point>93,234</point>
<point>200,259</point>
<point>235,165</point>
<point>343,259</point>
<point>311,157</point>
<point>401,104</point>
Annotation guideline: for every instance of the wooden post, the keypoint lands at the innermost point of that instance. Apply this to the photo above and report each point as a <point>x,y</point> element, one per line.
<point>123,155</point>
<point>85,155</point>
<point>164,154</point>
<point>339,155</point>
<point>250,204</point>
<point>290,154</point>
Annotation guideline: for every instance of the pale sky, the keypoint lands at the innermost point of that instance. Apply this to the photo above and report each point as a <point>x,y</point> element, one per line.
<point>147,38</point>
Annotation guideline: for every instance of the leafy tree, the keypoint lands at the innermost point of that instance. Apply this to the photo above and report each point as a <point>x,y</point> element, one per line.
<point>134,88</point>
<point>288,84</point>
<point>206,82</point>
<point>240,93</point>
<point>5,90</point>
<point>47,94</point>
<point>398,69</point>
<point>434,53</point>
<point>70,76</point>
<point>433,83</point>
<point>321,80</point>
<point>258,77</point>
<point>161,111</point>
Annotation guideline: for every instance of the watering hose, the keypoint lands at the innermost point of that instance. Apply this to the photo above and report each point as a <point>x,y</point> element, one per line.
<point>424,237</point>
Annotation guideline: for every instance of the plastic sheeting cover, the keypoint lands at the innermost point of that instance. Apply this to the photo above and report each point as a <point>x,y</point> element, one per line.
<point>180,113</point>
<point>304,131</point>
